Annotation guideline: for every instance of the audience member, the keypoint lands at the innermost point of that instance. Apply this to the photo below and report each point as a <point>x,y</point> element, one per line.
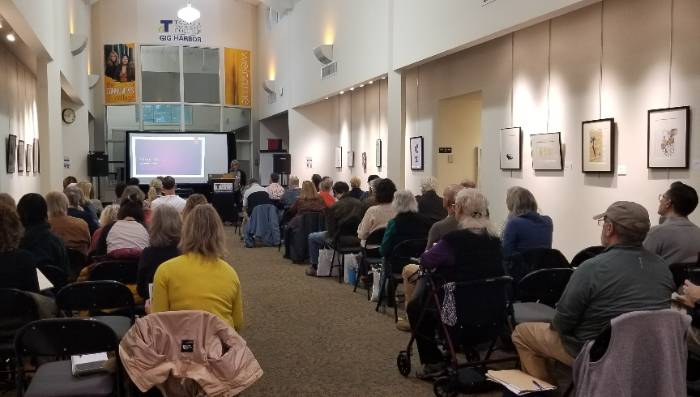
<point>471,253</point>
<point>133,190</point>
<point>274,189</point>
<point>193,201</point>
<point>624,278</point>
<point>325,193</point>
<point>133,182</point>
<point>69,180</point>
<point>308,201</point>
<point>6,199</point>
<point>46,247</point>
<point>292,194</point>
<point>89,201</point>
<point>73,231</point>
<point>355,190</point>
<point>347,211</point>
<point>378,215</point>
<point>429,203</point>
<point>155,190</point>
<point>366,195</point>
<point>253,187</point>
<point>450,223</point>
<point>316,179</point>
<point>676,239</point>
<point>108,216</point>
<point>525,229</point>
<point>468,183</point>
<point>118,192</point>
<point>200,279</point>
<point>126,237</point>
<point>17,266</point>
<point>408,224</point>
<point>75,197</point>
<point>164,236</point>
<point>690,297</point>
<point>169,197</point>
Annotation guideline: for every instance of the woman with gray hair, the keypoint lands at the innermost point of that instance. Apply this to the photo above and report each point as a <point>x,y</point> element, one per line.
<point>408,224</point>
<point>429,203</point>
<point>75,197</point>
<point>471,253</point>
<point>525,228</point>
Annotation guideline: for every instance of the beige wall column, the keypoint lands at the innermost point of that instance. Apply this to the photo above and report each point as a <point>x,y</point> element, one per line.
<point>50,128</point>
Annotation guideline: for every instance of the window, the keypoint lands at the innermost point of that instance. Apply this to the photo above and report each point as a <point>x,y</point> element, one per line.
<point>201,74</point>
<point>160,73</point>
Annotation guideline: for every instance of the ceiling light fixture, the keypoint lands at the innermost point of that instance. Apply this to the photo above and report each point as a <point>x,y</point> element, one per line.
<point>11,37</point>
<point>188,14</point>
<point>326,98</point>
<point>0,23</point>
<point>342,92</point>
<point>362,85</point>
<point>370,82</point>
<point>352,88</point>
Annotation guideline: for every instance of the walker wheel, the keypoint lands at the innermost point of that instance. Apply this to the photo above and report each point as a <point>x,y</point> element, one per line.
<point>444,387</point>
<point>403,362</point>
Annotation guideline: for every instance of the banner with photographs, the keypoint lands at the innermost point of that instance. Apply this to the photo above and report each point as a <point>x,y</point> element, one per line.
<point>120,74</point>
<point>237,71</point>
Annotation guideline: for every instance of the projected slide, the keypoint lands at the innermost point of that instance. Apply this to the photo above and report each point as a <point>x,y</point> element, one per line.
<point>178,156</point>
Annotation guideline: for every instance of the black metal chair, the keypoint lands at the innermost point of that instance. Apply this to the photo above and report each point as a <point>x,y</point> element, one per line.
<point>58,339</point>
<point>402,254</point>
<point>345,242</point>
<point>370,257</point>
<point>684,271</point>
<point>55,275</point>
<point>537,293</point>
<point>124,271</point>
<point>586,254</point>
<point>17,309</point>
<point>297,232</point>
<point>110,302</point>
<point>520,264</point>
<point>77,262</point>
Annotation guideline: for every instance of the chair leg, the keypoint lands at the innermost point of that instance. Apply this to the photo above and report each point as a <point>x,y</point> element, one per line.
<point>357,279</point>
<point>341,271</point>
<point>330,273</point>
<point>382,287</point>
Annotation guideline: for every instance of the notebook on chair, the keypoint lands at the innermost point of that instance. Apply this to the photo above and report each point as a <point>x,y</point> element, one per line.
<point>87,364</point>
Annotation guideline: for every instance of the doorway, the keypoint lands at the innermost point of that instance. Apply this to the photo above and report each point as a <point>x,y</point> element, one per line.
<point>458,138</point>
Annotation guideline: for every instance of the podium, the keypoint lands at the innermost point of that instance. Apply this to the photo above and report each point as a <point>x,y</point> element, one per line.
<point>224,198</point>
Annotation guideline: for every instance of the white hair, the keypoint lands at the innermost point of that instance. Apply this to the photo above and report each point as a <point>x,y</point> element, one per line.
<point>404,201</point>
<point>428,183</point>
<point>473,208</point>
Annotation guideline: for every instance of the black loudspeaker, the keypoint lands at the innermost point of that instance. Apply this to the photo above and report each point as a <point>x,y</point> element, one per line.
<point>282,163</point>
<point>98,164</point>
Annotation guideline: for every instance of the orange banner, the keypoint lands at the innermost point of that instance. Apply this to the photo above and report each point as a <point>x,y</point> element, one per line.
<point>120,74</point>
<point>237,72</point>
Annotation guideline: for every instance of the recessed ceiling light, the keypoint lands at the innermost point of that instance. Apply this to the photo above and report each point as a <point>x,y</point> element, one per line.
<point>11,37</point>
<point>370,82</point>
<point>342,92</point>
<point>325,98</point>
<point>362,85</point>
<point>383,77</point>
<point>352,88</point>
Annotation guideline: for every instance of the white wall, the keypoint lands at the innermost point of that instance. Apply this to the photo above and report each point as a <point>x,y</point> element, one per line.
<point>635,77</point>
<point>75,142</point>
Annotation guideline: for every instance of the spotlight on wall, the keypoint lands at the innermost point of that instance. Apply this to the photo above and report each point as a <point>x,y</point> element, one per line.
<point>352,88</point>
<point>78,42</point>
<point>0,23</point>
<point>326,98</point>
<point>324,53</point>
<point>188,14</point>
<point>270,87</point>
<point>11,37</point>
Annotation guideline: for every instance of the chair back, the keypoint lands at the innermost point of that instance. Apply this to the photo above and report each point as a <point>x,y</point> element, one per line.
<point>96,297</point>
<point>17,308</point>
<point>255,199</point>
<point>372,243</point>
<point>684,271</point>
<point>518,265</point>
<point>124,271</point>
<point>544,286</point>
<point>586,254</point>
<point>403,252</point>
<point>63,337</point>
<point>482,322</point>
<point>55,274</point>
<point>77,262</point>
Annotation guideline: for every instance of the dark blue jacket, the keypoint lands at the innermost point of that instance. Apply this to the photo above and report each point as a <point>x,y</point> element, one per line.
<point>526,232</point>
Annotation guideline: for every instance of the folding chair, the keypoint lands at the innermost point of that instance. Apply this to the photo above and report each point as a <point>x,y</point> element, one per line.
<point>55,275</point>
<point>124,271</point>
<point>402,254</point>
<point>345,242</point>
<point>518,265</point>
<point>683,271</point>
<point>586,254</point>
<point>110,302</point>
<point>77,262</point>
<point>537,294</point>
<point>370,256</point>
<point>17,309</point>
<point>61,338</point>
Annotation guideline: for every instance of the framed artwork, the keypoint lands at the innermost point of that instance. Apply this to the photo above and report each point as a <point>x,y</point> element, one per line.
<point>416,148</point>
<point>30,153</point>
<point>20,156</point>
<point>378,153</point>
<point>364,161</point>
<point>546,151</point>
<point>598,145</point>
<point>11,155</point>
<point>511,142</point>
<point>35,154</point>
<point>338,157</point>
<point>351,158</point>
<point>668,135</point>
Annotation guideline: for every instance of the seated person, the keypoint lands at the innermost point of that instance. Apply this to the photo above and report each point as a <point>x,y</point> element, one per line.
<point>17,266</point>
<point>164,236</point>
<point>449,223</point>
<point>471,253</point>
<point>155,190</point>
<point>75,197</point>
<point>355,190</point>
<point>199,279</point>
<point>622,279</point>
<point>73,231</point>
<point>274,189</point>
<point>326,185</point>
<point>193,201</point>
<point>169,196</point>
<point>429,203</point>
<point>6,199</point>
<point>126,237</point>
<point>378,215</point>
<point>676,239</point>
<point>255,195</point>
<point>316,179</point>
<point>408,224</point>
<point>690,298</point>
<point>46,247</point>
<point>348,210</point>
<point>525,229</point>
<point>308,201</point>
<point>69,180</point>
<point>89,202</point>
<point>369,194</point>
<point>107,217</point>
<point>292,194</point>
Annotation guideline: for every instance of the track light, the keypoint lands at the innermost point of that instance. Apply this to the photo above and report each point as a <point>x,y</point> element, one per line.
<point>342,92</point>
<point>370,82</point>
<point>11,37</point>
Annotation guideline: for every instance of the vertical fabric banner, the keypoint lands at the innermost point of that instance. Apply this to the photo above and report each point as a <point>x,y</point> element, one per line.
<point>237,70</point>
<point>120,74</point>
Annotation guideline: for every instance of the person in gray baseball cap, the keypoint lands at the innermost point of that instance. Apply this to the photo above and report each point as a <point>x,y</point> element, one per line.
<point>625,277</point>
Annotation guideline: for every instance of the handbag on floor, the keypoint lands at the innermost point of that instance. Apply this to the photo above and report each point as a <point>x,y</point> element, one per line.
<point>376,276</point>
<point>350,269</point>
<point>324,263</point>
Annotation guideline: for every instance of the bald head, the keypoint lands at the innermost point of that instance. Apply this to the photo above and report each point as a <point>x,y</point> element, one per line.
<point>449,195</point>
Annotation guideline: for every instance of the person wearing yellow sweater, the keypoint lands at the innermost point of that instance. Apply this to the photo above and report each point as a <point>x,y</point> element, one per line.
<point>199,279</point>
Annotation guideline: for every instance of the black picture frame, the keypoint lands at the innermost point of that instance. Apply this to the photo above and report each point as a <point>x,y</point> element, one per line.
<point>11,154</point>
<point>20,156</point>
<point>609,143</point>
<point>657,115</point>
<point>35,154</point>
<point>504,161</point>
<point>378,153</point>
<point>416,151</point>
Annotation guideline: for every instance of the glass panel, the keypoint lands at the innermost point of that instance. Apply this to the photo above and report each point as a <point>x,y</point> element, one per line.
<point>238,121</point>
<point>203,118</point>
<point>160,77</point>
<point>163,117</point>
<point>201,74</point>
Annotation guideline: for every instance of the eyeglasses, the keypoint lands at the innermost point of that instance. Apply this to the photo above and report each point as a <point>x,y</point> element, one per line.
<point>602,220</point>
<point>661,197</point>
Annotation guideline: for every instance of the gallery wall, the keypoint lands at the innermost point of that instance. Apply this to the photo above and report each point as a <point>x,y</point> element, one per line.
<point>353,121</point>
<point>554,75</point>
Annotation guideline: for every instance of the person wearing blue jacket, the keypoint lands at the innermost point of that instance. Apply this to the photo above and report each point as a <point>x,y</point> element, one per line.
<point>525,229</point>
